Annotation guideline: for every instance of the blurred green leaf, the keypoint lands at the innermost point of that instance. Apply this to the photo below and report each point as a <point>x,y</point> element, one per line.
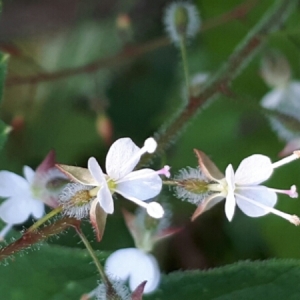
<point>273,279</point>
<point>4,129</point>
<point>52,272</point>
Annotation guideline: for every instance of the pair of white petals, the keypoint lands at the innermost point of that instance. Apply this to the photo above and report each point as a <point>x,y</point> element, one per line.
<point>20,203</point>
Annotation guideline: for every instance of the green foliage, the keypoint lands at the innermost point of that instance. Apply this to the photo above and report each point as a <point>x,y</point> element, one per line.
<point>61,273</point>
<point>53,272</point>
<point>274,279</point>
<point>4,129</point>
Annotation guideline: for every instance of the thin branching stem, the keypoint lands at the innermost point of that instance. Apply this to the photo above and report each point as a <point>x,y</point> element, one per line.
<point>220,82</point>
<point>45,218</point>
<point>238,12</point>
<point>93,256</point>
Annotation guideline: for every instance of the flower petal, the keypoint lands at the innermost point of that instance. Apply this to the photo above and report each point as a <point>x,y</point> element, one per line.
<point>12,184</point>
<point>272,99</point>
<point>105,199</point>
<point>28,174</point>
<point>146,269</point>
<point>37,208</point>
<point>121,263</point>
<point>96,170</point>
<point>230,200</point>
<point>207,203</point>
<point>122,157</point>
<point>136,265</point>
<point>260,194</point>
<point>98,219</point>
<point>77,174</point>
<point>142,184</point>
<point>253,170</point>
<point>15,210</point>
<point>209,169</point>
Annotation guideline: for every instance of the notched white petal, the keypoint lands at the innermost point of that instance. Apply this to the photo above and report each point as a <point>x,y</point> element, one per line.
<point>12,184</point>
<point>142,184</point>
<point>96,170</point>
<point>254,170</point>
<point>122,157</point>
<point>258,194</point>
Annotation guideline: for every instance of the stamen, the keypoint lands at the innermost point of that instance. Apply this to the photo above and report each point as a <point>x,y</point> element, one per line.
<point>292,192</point>
<point>4,231</point>
<point>291,218</point>
<point>150,145</point>
<point>287,159</point>
<point>164,171</point>
<point>154,209</point>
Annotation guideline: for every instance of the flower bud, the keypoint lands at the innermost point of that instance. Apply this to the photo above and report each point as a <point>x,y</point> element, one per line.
<point>181,21</point>
<point>76,200</point>
<point>275,69</point>
<point>191,185</point>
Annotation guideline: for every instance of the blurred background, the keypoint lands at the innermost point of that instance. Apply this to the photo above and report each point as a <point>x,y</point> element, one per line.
<point>82,74</point>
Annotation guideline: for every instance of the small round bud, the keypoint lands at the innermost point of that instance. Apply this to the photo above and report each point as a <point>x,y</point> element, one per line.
<point>275,69</point>
<point>182,21</point>
<point>123,21</point>
<point>155,210</point>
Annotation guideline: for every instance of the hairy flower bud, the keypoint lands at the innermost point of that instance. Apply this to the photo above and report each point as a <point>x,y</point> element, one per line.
<point>275,69</point>
<point>181,21</point>
<point>191,185</point>
<point>76,200</point>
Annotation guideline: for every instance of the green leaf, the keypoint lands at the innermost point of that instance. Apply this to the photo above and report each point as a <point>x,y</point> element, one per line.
<point>52,272</point>
<point>4,130</point>
<point>3,67</point>
<point>273,279</point>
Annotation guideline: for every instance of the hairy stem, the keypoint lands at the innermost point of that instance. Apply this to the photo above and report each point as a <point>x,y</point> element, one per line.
<point>185,64</point>
<point>219,83</point>
<point>94,256</point>
<point>30,238</point>
<point>44,219</point>
<point>238,12</point>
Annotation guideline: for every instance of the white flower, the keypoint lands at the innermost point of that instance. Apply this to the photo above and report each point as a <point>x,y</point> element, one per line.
<point>26,196</point>
<point>135,266</point>
<point>21,201</point>
<point>136,186</point>
<point>242,188</point>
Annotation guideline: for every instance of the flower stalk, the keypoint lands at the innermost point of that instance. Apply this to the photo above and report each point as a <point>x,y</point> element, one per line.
<point>44,219</point>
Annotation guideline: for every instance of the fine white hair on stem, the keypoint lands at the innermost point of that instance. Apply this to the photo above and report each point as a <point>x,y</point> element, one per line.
<point>121,290</point>
<point>75,200</point>
<point>192,24</point>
